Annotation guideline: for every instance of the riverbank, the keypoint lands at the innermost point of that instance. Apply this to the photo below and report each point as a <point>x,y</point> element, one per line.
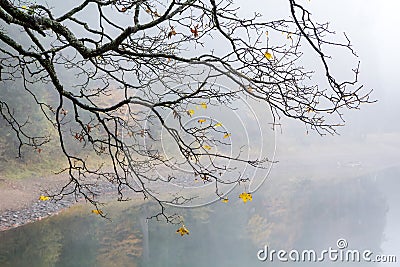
<point>20,204</point>
<point>36,211</point>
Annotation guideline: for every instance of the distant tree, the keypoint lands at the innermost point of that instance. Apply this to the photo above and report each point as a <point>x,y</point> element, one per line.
<point>127,74</point>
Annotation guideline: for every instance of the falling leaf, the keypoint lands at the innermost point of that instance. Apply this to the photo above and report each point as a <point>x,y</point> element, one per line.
<point>225,200</point>
<point>207,147</point>
<point>190,112</point>
<point>44,198</point>
<point>218,124</point>
<point>202,120</point>
<point>182,230</point>
<point>97,211</point>
<point>246,197</point>
<point>203,105</point>
<point>227,135</point>
<point>268,55</point>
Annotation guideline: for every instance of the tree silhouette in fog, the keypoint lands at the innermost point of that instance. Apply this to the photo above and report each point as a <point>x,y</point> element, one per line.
<point>123,75</point>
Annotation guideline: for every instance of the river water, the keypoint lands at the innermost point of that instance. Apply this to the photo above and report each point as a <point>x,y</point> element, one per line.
<point>301,214</point>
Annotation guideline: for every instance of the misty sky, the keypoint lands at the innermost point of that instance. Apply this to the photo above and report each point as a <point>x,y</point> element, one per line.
<point>373,28</point>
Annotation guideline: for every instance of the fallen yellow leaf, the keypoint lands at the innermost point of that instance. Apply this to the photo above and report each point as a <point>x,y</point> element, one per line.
<point>182,230</point>
<point>225,200</point>
<point>203,105</point>
<point>202,120</point>
<point>218,124</point>
<point>227,135</point>
<point>44,198</point>
<point>24,7</point>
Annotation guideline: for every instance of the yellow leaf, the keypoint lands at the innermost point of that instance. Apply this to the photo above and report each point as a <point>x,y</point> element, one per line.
<point>182,230</point>
<point>24,7</point>
<point>207,147</point>
<point>268,55</point>
<point>44,198</point>
<point>97,211</point>
<point>204,105</point>
<point>225,200</point>
<point>227,135</point>
<point>218,124</point>
<point>190,112</point>
<point>202,120</point>
<point>246,197</point>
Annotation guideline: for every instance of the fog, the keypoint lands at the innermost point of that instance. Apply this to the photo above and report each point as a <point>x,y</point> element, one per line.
<point>341,186</point>
<point>370,137</point>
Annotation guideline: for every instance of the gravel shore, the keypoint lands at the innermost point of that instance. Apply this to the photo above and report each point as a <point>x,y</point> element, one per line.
<point>38,209</point>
